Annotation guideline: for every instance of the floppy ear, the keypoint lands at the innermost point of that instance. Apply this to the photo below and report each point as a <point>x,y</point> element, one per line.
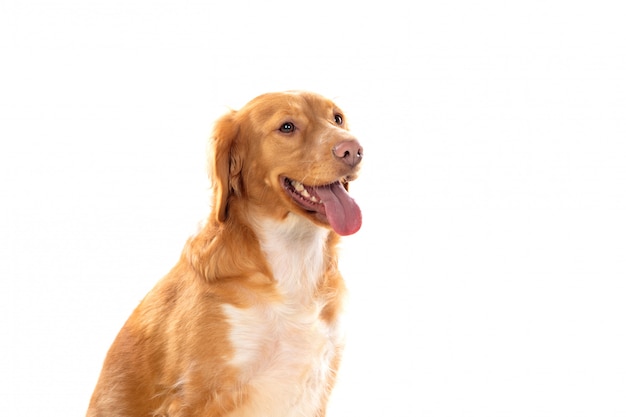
<point>225,166</point>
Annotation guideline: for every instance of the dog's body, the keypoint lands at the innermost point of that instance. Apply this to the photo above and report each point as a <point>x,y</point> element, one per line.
<point>248,322</point>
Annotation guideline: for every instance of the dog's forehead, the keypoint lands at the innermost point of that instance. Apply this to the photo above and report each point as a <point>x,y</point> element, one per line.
<point>289,104</point>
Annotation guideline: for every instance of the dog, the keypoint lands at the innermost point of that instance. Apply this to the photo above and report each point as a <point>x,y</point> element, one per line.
<point>247,323</point>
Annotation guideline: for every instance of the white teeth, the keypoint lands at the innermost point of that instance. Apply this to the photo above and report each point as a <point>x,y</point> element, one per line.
<point>299,187</point>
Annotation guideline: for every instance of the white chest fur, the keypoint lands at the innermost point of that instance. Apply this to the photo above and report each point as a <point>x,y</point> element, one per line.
<point>283,350</point>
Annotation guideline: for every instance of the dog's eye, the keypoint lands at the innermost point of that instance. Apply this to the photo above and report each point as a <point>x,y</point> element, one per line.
<point>287,127</point>
<point>339,119</point>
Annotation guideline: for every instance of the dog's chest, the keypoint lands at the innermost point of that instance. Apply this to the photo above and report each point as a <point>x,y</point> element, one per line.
<point>284,351</point>
<point>284,358</point>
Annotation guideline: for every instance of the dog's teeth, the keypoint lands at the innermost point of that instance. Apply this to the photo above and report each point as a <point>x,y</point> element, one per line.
<point>299,187</point>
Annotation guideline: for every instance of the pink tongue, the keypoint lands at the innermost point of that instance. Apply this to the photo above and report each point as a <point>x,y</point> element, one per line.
<point>343,214</point>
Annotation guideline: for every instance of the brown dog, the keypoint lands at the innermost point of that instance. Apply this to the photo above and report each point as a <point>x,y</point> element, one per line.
<point>248,322</point>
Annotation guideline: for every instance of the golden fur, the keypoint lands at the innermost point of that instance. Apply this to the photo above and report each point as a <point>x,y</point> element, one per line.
<point>247,322</point>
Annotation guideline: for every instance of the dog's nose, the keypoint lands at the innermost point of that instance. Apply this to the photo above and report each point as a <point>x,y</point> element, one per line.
<point>349,151</point>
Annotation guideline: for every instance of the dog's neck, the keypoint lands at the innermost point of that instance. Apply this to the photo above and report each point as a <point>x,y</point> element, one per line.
<point>295,250</point>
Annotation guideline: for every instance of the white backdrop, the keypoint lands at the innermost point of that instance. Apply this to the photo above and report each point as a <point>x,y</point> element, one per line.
<point>489,278</point>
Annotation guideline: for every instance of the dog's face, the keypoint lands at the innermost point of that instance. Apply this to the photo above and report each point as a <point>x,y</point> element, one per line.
<point>288,153</point>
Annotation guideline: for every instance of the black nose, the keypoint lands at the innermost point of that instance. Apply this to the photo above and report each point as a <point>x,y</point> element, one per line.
<point>349,151</point>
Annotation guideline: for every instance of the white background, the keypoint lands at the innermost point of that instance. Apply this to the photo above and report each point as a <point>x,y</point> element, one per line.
<point>489,278</point>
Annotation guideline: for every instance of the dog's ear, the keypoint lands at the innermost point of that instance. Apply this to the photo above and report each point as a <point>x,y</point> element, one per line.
<point>225,164</point>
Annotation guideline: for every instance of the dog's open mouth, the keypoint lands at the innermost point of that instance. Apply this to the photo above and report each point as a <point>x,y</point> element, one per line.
<point>330,202</point>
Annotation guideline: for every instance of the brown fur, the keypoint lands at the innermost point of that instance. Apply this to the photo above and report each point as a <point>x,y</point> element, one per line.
<point>173,357</point>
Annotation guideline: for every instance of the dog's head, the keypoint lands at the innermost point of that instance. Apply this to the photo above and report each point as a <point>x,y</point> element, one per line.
<point>287,153</point>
